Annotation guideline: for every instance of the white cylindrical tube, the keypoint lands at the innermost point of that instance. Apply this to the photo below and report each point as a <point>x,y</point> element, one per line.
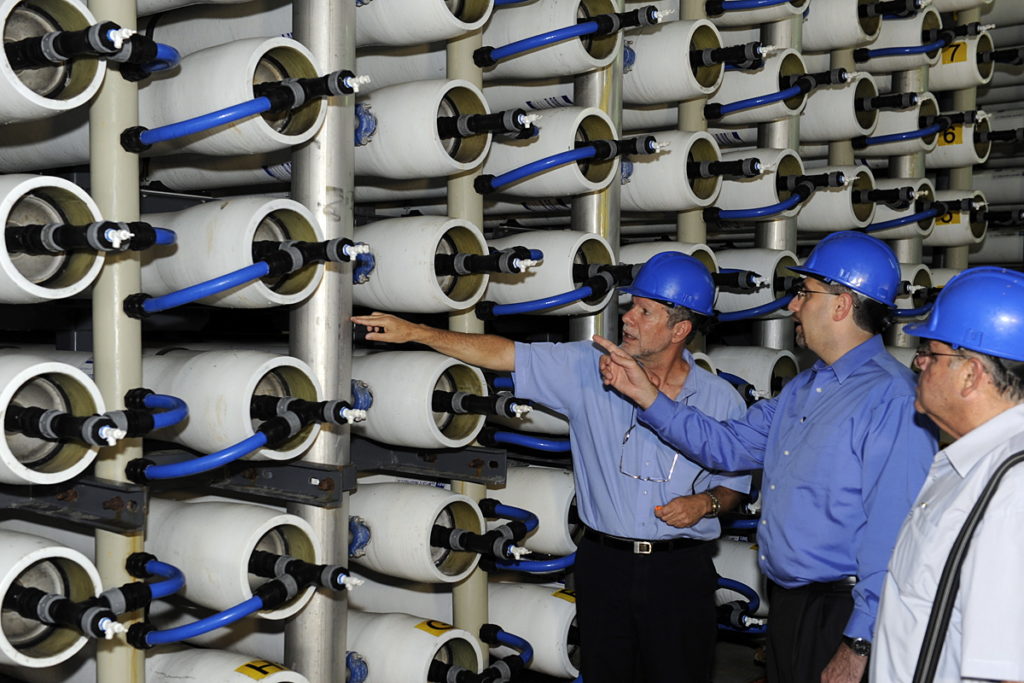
<point>201,665</point>
<point>957,5</point>
<point>703,360</point>
<point>648,81</point>
<point>885,213</point>
<point>31,561</point>
<point>405,278</point>
<point>999,248</point>
<point>414,22</point>
<point>767,369</point>
<point>563,58</point>
<point>46,143</point>
<point>399,648</point>
<point>211,543</point>
<point>541,615</point>
<point>831,209</point>
<point>218,387</point>
<point>960,67</point>
<point>217,238</point>
<point>760,15</point>
<point>920,279</point>
<point>1001,187</point>
<point>403,385</point>
<point>185,172</point>
<point>744,84</point>
<point>31,380</point>
<point>737,560</point>
<point>958,146</point>
<point>548,493</point>
<point>199,26</point>
<point>762,190</point>
<point>406,143</point>
<point>838,26</point>
<point>1003,13</point>
<point>650,117</point>
<point>831,112</point>
<point>400,518</point>
<point>897,33</point>
<point>39,200</point>
<point>957,228</point>
<point>662,182</point>
<point>893,121</point>
<point>772,264</point>
<point>562,249</point>
<point>734,137</point>
<point>223,76</point>
<point>29,94</point>
<point>560,130</point>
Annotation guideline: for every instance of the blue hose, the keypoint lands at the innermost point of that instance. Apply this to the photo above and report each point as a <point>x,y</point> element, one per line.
<point>904,220</point>
<point>760,211</point>
<point>770,307</point>
<point>174,583</point>
<point>541,304</point>
<point>753,602</point>
<point>210,623</point>
<point>901,137</point>
<point>175,407</point>
<point>733,5</point>
<point>544,164</point>
<point>504,383</point>
<point>358,536</point>
<point>362,397</point>
<point>740,525</point>
<point>205,122</point>
<point>502,3</point>
<point>537,443</point>
<point>165,236</point>
<point>356,667</point>
<point>512,640</point>
<point>525,516</point>
<point>913,312</point>
<point>760,100</point>
<point>202,290</point>
<point>539,566</point>
<point>732,379</point>
<point>544,39</point>
<point>207,462</point>
<point>166,58</point>
<point>906,50</point>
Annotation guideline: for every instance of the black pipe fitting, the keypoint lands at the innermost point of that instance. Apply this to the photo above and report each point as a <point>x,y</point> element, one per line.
<point>897,197</point>
<point>263,407</point>
<point>609,149</point>
<point>743,56</point>
<point>893,8</point>
<point>54,425</point>
<point>494,543</point>
<point>135,54</point>
<point>949,33</point>
<point>808,82</point>
<point>134,423</point>
<point>466,125</point>
<point>1012,135</point>
<point>56,238</point>
<point>741,168</point>
<point>791,182</point>
<point>57,610</point>
<point>738,281</point>
<point>58,47</point>
<point>462,403</point>
<point>622,274</point>
<point>613,22</point>
<point>495,261</point>
<point>1006,218</point>
<point>896,100</point>
<point>137,634</point>
<point>292,93</point>
<point>305,573</point>
<point>1009,55</point>
<point>949,119</point>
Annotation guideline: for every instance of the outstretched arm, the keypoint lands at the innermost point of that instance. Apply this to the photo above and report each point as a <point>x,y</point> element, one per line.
<point>484,350</point>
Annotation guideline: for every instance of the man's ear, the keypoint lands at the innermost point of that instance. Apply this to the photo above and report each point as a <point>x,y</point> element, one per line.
<point>842,306</point>
<point>681,330</point>
<point>973,377</point>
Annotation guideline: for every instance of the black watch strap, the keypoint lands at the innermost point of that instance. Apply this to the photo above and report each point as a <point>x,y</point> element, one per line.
<point>860,646</point>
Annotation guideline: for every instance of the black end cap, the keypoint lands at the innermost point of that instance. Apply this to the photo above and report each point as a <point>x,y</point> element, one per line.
<point>135,470</point>
<point>131,139</point>
<point>135,398</point>
<point>483,56</point>
<point>489,633</point>
<point>136,563</point>
<point>133,305</point>
<point>483,183</point>
<point>485,310</point>
<point>137,634</point>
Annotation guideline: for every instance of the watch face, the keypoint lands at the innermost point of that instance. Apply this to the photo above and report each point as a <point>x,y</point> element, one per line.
<point>859,646</point>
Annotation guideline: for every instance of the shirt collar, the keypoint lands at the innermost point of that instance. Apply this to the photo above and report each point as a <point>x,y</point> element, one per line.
<point>969,449</point>
<point>853,359</point>
<point>693,381</point>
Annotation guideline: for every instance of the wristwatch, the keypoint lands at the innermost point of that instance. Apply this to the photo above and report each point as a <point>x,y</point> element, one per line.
<point>860,646</point>
<point>716,506</point>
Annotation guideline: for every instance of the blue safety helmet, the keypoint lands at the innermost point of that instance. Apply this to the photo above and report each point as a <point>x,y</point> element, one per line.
<point>861,262</point>
<point>981,309</point>
<point>675,278</point>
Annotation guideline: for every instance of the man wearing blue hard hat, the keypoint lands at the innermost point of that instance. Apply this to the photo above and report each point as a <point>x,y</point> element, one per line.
<point>972,385</point>
<point>644,576</point>
<point>843,455</point>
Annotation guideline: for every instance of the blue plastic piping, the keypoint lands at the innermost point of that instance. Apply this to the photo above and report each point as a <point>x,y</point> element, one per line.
<point>770,307</point>
<point>760,100</point>
<point>174,583</point>
<point>735,380</point>
<point>753,601</point>
<point>358,536</point>
<point>541,304</point>
<point>165,236</point>
<point>364,265</point>
<point>366,125</point>
<point>519,514</point>
<point>217,285</point>
<point>906,135</point>
<point>205,122</point>
<point>759,211</point>
<point>356,667</point>
<point>502,3</point>
<point>544,164</point>
<point>504,383</point>
<point>536,255</point>
<point>544,39</point>
<point>539,566</point>
<point>537,443</point>
<point>733,5</point>
<point>906,50</point>
<point>512,640</point>
<point>740,525</point>
<point>362,397</point>
<point>913,312</point>
<point>904,220</point>
<point>207,462</point>
<point>175,408</point>
<point>166,58</point>
<point>210,623</point>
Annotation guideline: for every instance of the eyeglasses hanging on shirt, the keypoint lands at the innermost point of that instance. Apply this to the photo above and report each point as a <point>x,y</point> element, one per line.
<point>658,476</point>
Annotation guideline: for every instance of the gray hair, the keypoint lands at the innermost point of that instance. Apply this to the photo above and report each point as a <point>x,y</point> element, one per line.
<point>678,314</point>
<point>1007,375</point>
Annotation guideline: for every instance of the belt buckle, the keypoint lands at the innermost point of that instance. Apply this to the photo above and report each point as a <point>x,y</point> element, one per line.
<point>642,548</point>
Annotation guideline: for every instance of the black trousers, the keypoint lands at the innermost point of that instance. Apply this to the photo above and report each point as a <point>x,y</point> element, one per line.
<point>805,628</point>
<point>645,618</point>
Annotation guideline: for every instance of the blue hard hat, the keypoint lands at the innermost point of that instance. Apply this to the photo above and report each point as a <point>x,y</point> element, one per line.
<point>981,309</point>
<point>861,262</point>
<point>676,278</point>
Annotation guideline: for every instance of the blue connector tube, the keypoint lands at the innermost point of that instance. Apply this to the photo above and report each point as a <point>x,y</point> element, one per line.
<point>544,164</point>
<point>519,514</point>
<point>760,211</point>
<point>502,3</point>
<point>913,312</point>
<point>901,137</point>
<point>174,583</point>
<point>740,525</point>
<point>771,307</point>
<point>539,566</point>
<point>512,640</point>
<point>211,623</point>
<point>733,5</point>
<point>504,383</point>
<point>903,220</point>
<point>207,462</point>
<point>537,443</point>
<point>217,285</point>
<point>165,236</point>
<point>732,379</point>
<point>544,39</point>
<point>175,408</point>
<point>541,304</point>
<point>760,100</point>
<point>753,602</point>
<point>166,58</point>
<point>205,122</point>
<point>906,50</point>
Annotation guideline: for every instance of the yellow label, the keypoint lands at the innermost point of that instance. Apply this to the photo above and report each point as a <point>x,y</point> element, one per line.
<point>434,627</point>
<point>258,669</point>
<point>949,218</point>
<point>954,135</point>
<point>955,53</point>
<point>565,594</point>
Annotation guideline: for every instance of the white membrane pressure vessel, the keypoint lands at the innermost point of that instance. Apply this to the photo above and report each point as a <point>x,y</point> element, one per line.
<point>199,26</point>
<point>192,171</point>
<point>406,143</point>
<point>405,279</point>
<point>28,94</point>
<point>1001,186</point>
<point>661,181</point>
<point>562,250</point>
<point>34,562</point>
<point>548,493</point>
<point>200,665</point>
<point>743,84</point>
<point>211,543</point>
<point>399,648</point>
<point>403,384</point>
<point>1003,13</point>
<point>831,111</point>
<point>884,212</point>
<point>737,560</point>
<point>957,146</point>
<point>217,237</point>
<point>648,81</point>
<point>999,248</point>
<point>413,22</point>
<point>959,67</point>
<point>560,130</point>
<point>563,58</point>
<point>218,386</point>
<point>31,380</point>
<point>760,15</point>
<point>767,369</point>
<point>772,264</point>
<point>957,228</point>
<point>920,279</point>
<point>749,193</point>
<point>400,518</point>
<point>543,616</point>
<point>831,209</point>
<point>896,33</point>
<point>38,200</point>
<point>957,5</point>
<point>892,121</point>
<point>838,26</point>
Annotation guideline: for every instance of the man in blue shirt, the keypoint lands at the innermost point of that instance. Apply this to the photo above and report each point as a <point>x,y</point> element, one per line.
<point>843,453</point>
<point>645,580</point>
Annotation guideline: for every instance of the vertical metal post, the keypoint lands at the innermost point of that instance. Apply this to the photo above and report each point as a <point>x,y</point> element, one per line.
<point>690,226</point>
<point>840,152</point>
<point>322,180</point>
<point>962,178</point>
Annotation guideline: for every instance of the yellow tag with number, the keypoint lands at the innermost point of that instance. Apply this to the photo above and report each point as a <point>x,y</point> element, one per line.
<point>565,594</point>
<point>258,669</point>
<point>954,135</point>
<point>949,218</point>
<point>955,53</point>
<point>434,627</point>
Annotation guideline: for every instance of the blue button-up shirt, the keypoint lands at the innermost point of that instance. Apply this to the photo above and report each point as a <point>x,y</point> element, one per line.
<point>565,377</point>
<point>844,455</point>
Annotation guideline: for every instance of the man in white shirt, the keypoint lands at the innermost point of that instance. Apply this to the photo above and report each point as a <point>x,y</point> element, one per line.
<point>972,385</point>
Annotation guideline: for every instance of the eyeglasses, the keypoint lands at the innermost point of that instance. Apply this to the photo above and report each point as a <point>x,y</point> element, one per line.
<point>801,292</point>
<point>928,353</point>
<point>622,459</point>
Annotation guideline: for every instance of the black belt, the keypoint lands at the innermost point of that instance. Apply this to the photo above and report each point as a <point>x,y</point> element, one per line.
<point>844,585</point>
<point>640,547</point>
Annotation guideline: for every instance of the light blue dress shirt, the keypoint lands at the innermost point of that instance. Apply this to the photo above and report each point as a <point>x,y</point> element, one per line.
<point>844,455</point>
<point>565,377</point>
